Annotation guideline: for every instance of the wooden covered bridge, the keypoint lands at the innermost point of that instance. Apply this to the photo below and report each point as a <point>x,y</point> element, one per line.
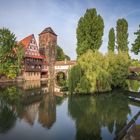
<point>134,69</point>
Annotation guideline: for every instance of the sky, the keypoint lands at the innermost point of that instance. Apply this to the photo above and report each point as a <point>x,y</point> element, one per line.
<point>25,17</point>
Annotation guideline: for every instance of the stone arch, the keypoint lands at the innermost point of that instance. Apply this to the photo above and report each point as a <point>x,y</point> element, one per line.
<point>59,73</point>
<point>60,78</point>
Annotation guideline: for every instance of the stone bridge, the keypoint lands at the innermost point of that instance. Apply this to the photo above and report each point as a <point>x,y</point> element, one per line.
<point>63,66</point>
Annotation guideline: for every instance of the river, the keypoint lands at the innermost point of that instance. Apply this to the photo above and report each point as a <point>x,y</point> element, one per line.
<point>29,112</point>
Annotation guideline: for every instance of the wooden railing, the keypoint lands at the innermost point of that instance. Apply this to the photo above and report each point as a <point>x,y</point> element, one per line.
<point>30,69</point>
<point>126,128</point>
<point>38,63</point>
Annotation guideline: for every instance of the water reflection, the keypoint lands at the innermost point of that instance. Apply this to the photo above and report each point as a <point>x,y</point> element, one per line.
<point>47,111</point>
<point>28,102</point>
<point>95,113</point>
<point>7,117</point>
<point>84,117</point>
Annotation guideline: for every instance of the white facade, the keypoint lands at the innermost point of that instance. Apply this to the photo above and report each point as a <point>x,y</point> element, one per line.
<point>62,67</point>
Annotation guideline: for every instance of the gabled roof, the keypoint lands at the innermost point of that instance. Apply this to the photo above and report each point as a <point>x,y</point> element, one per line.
<point>26,41</point>
<point>48,30</point>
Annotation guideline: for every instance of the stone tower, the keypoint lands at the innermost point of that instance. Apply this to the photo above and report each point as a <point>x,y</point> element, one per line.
<point>47,45</point>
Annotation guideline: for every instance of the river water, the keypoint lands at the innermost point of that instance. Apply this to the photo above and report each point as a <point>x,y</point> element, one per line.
<point>29,112</point>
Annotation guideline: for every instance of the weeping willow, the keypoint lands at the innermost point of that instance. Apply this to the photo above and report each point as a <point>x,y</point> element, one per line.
<point>96,72</point>
<point>95,68</point>
<point>74,77</point>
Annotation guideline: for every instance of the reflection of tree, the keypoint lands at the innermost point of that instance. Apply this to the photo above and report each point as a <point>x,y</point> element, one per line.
<point>113,110</point>
<point>10,95</point>
<point>7,117</point>
<point>82,109</point>
<point>59,100</point>
<point>47,111</point>
<point>93,113</point>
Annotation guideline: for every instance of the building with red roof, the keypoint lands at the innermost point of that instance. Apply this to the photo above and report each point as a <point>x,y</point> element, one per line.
<point>40,60</point>
<point>33,60</point>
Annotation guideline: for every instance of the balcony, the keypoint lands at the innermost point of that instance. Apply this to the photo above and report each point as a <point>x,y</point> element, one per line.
<point>30,69</point>
<point>38,63</point>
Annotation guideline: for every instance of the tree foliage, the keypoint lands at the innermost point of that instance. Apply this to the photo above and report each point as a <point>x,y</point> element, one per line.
<point>61,55</point>
<point>136,45</point>
<point>89,32</point>
<point>122,35</point>
<point>111,42</point>
<point>74,77</point>
<point>67,57</point>
<point>95,68</point>
<point>100,73</point>
<point>11,54</point>
<point>118,69</point>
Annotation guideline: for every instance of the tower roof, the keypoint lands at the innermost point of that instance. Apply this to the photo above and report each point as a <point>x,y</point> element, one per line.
<point>48,30</point>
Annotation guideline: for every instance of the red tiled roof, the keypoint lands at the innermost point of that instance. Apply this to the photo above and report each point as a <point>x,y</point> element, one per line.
<point>59,63</point>
<point>26,41</point>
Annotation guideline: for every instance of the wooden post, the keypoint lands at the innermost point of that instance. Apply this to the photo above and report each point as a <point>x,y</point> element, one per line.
<point>123,132</point>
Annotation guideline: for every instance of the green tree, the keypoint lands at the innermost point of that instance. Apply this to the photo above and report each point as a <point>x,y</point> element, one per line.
<point>11,54</point>
<point>67,57</point>
<point>136,45</point>
<point>61,55</point>
<point>94,66</point>
<point>89,32</point>
<point>96,72</point>
<point>118,69</point>
<point>111,42</point>
<point>74,77</point>
<point>122,35</point>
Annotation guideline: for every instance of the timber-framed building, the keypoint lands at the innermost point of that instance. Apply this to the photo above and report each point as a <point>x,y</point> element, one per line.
<point>37,58</point>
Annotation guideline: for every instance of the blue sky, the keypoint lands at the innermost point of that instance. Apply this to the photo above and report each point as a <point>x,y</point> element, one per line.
<point>24,17</point>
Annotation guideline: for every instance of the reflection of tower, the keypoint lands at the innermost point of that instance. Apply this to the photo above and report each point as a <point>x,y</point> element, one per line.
<point>30,113</point>
<point>47,111</point>
<point>47,44</point>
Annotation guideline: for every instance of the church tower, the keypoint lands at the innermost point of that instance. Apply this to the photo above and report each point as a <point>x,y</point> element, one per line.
<point>47,46</point>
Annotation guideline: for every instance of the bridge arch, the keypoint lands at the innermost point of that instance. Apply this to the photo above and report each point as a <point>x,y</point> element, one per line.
<point>60,74</point>
<point>60,77</point>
